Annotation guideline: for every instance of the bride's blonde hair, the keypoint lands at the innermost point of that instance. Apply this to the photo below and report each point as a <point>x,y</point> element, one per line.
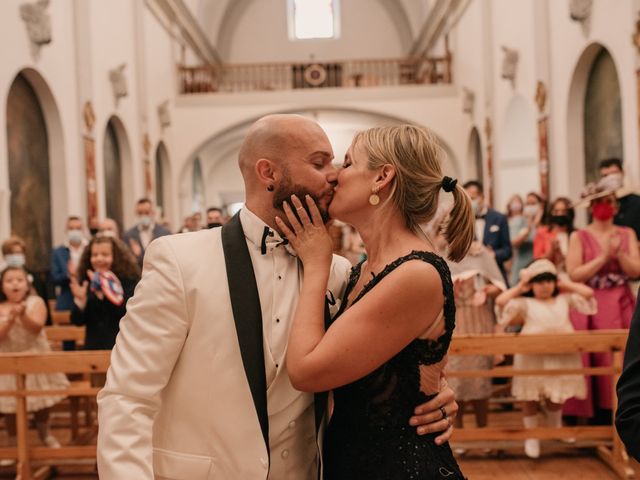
<point>416,155</point>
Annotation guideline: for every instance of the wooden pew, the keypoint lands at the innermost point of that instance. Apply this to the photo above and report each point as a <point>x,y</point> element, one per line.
<point>22,364</point>
<point>58,334</point>
<point>609,446</point>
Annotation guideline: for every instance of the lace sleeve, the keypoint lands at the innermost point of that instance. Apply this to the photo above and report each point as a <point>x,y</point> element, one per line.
<point>514,310</point>
<point>583,305</point>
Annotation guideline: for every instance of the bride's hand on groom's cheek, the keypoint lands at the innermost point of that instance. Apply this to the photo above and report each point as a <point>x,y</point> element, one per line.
<point>306,232</point>
<point>437,415</point>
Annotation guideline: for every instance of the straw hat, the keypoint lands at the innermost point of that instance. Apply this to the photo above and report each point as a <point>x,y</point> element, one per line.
<point>608,185</point>
<point>538,268</point>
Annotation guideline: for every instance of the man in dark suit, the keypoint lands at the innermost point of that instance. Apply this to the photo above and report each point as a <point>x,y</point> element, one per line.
<point>65,259</point>
<point>140,236</point>
<point>629,203</point>
<point>492,228</point>
<point>628,389</point>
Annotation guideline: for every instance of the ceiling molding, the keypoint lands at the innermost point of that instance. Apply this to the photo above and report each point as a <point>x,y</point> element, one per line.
<point>174,14</point>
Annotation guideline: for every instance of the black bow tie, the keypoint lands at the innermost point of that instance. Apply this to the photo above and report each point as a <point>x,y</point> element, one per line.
<point>268,240</point>
<point>481,217</point>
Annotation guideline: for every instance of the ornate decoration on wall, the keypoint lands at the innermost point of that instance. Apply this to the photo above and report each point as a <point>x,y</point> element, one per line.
<point>510,64</point>
<point>164,114</point>
<point>468,100</point>
<point>315,74</point>
<point>636,35</point>
<point>148,182</point>
<point>541,96</point>
<point>488,131</point>
<point>38,23</point>
<point>90,160</point>
<point>89,116</point>
<point>118,82</point>
<point>580,11</point>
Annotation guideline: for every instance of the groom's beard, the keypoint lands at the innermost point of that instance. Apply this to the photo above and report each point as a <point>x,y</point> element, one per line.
<point>287,188</point>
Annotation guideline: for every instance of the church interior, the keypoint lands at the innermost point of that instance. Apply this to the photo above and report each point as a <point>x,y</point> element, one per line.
<point>107,102</point>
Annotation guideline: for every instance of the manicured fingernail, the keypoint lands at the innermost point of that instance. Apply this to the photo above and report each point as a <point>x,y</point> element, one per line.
<point>422,430</point>
<point>413,422</point>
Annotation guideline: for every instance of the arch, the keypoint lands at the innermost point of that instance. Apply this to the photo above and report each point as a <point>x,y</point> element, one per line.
<point>36,167</point>
<point>578,89</point>
<point>219,153</point>
<point>117,173</point>
<point>602,114</point>
<point>516,168</point>
<point>475,160</point>
<point>163,191</point>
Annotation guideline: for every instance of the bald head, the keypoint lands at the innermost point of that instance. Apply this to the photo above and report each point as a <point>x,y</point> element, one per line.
<point>274,137</point>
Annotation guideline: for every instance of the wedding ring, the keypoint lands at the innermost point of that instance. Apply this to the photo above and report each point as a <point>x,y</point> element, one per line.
<point>443,412</point>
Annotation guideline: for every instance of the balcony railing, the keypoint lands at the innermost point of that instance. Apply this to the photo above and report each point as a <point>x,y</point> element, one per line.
<point>289,76</point>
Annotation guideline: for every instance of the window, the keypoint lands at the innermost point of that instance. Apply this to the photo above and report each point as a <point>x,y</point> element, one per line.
<point>309,19</point>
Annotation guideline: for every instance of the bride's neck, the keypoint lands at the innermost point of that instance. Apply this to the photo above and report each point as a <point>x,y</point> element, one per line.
<point>386,238</point>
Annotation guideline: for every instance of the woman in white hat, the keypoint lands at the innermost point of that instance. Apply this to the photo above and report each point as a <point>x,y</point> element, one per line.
<point>605,257</point>
<point>541,302</point>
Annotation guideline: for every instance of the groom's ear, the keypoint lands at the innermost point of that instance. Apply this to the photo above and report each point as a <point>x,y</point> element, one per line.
<point>266,171</point>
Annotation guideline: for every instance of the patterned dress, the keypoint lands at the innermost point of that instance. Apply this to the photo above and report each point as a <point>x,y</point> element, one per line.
<point>19,339</point>
<point>547,317</point>
<point>369,436</point>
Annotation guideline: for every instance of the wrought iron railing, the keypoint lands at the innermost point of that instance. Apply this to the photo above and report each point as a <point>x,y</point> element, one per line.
<point>288,76</point>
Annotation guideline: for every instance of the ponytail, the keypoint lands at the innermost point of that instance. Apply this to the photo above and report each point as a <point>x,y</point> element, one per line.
<point>460,228</point>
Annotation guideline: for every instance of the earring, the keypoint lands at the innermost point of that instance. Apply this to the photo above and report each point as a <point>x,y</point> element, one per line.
<point>270,188</point>
<point>374,199</point>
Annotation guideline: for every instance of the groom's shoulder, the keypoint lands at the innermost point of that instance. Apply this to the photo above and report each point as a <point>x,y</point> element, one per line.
<point>189,245</point>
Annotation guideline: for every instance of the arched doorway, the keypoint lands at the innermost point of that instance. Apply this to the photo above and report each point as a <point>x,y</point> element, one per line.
<point>162,180</point>
<point>29,172</point>
<point>602,115</point>
<point>198,190</point>
<point>474,156</point>
<point>113,174</point>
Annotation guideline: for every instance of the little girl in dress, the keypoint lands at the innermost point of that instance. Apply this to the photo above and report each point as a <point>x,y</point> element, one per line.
<point>21,320</point>
<point>541,302</point>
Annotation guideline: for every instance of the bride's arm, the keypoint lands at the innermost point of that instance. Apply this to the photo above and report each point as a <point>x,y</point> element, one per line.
<point>370,332</point>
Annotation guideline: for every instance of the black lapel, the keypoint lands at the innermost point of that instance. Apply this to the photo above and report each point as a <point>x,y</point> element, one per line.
<point>321,398</point>
<point>247,315</point>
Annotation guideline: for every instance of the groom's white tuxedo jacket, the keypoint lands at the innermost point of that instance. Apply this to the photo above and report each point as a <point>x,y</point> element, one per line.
<point>187,396</point>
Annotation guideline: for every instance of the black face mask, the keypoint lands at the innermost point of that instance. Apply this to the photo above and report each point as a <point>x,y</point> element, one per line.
<point>93,231</point>
<point>561,220</point>
<point>213,225</point>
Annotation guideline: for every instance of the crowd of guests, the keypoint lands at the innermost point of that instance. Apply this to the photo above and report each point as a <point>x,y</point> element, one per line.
<point>93,276</point>
<point>529,270</point>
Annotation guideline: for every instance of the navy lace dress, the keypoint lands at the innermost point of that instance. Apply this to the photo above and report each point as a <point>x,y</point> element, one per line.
<point>369,436</point>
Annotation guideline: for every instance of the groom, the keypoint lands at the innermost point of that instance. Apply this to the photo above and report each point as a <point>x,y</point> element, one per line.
<point>198,387</point>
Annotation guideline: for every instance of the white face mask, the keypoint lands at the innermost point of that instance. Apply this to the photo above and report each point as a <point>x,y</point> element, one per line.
<point>75,236</point>
<point>530,210</point>
<point>15,260</point>
<point>515,207</point>
<point>145,220</point>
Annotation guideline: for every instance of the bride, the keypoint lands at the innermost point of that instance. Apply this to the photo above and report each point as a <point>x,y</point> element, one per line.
<point>385,350</point>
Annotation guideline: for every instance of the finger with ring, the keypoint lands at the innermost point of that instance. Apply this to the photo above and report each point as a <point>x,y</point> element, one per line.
<point>444,412</point>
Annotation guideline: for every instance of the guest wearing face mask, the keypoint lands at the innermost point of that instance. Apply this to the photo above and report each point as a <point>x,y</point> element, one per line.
<point>552,241</point>
<point>215,217</point>
<point>141,235</point>
<point>14,252</point>
<point>64,261</point>
<point>492,228</point>
<point>522,220</point>
<point>629,203</point>
<point>604,256</point>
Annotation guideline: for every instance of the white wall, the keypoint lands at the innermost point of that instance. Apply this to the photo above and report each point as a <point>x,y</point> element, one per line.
<point>261,35</point>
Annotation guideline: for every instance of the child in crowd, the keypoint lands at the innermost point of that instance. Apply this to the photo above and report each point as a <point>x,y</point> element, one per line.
<point>541,303</point>
<point>105,280</point>
<point>22,317</point>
